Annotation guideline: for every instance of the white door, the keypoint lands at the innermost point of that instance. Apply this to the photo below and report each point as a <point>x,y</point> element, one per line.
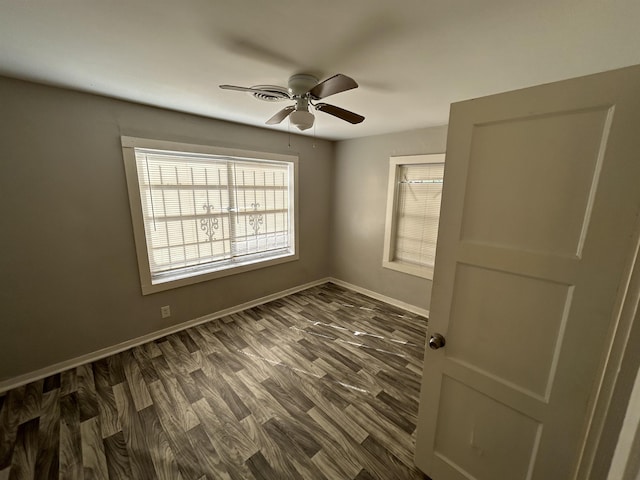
<point>539,211</point>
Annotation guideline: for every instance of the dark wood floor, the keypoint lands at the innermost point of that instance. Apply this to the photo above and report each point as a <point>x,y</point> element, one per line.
<point>320,384</point>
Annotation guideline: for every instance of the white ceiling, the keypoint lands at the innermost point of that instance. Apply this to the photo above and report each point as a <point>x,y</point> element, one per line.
<point>412,58</point>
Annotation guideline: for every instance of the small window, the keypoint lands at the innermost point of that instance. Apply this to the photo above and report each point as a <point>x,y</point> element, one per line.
<point>204,212</point>
<point>413,211</point>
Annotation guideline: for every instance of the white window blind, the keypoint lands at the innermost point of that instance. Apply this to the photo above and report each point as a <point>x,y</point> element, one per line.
<point>419,192</point>
<point>209,212</point>
<point>413,212</point>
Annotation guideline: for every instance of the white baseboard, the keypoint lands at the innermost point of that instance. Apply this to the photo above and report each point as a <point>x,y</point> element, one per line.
<point>120,347</point>
<point>383,298</point>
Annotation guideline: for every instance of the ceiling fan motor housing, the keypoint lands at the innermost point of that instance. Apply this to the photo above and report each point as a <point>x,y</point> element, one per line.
<point>299,86</point>
<point>301,83</point>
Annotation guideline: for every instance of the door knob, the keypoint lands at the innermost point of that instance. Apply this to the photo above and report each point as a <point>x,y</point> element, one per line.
<point>436,341</point>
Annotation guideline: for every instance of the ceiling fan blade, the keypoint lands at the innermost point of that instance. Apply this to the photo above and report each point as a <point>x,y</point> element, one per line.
<point>341,113</point>
<point>270,93</point>
<point>281,115</point>
<point>336,84</point>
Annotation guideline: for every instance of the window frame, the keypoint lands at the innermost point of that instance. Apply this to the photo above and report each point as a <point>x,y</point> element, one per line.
<point>129,144</point>
<point>395,164</point>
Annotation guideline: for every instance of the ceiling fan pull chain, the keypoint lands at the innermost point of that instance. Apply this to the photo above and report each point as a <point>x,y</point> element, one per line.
<point>314,136</point>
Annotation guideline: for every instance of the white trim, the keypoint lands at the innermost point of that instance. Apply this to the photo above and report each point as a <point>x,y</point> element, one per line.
<point>382,298</point>
<point>625,319</point>
<point>121,347</point>
<point>126,345</point>
<point>390,222</point>
<point>135,204</point>
<point>626,459</point>
<point>131,142</point>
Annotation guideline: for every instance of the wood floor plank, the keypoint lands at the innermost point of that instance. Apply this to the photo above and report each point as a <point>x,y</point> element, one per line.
<point>226,419</point>
<point>260,468</point>
<point>180,363</point>
<point>181,355</point>
<point>137,386</point>
<point>228,394</point>
<point>172,396</point>
<point>51,383</point>
<point>331,468</point>
<point>9,420</point>
<point>187,341</point>
<point>330,447</point>
<point>135,437</point>
<point>176,425</point>
<point>225,443</point>
<point>68,382</point>
<point>48,457</point>
<point>260,402</point>
<point>248,362</point>
<point>364,475</point>
<point>401,379</point>
<point>396,441</point>
<point>32,400</point>
<point>148,371</point>
<point>280,433</point>
<point>70,438</point>
<point>86,392</point>
<point>275,456</point>
<point>116,369</point>
<point>213,465</point>
<point>291,399</point>
<point>94,461</point>
<point>352,448</point>
<point>118,464</point>
<point>204,347</point>
<point>293,359</point>
<point>323,383</point>
<point>362,380</point>
<point>162,456</point>
<point>24,455</point>
<point>398,408</point>
<point>390,462</point>
<point>107,410</point>
<point>322,402</point>
<point>209,343</point>
<point>261,410</point>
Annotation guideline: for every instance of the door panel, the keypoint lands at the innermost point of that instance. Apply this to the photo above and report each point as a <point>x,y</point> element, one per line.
<point>492,307</point>
<point>540,202</point>
<point>466,417</point>
<point>531,181</point>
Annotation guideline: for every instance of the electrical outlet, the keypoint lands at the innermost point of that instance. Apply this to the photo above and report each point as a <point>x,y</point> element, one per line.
<point>165,311</point>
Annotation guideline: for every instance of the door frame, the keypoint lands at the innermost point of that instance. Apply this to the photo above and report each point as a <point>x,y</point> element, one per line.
<point>617,376</point>
<point>625,464</point>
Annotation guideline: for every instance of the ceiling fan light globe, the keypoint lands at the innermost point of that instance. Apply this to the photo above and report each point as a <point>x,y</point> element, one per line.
<point>302,119</point>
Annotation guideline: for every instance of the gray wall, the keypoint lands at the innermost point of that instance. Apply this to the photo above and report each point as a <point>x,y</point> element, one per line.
<point>359,209</point>
<point>69,283</point>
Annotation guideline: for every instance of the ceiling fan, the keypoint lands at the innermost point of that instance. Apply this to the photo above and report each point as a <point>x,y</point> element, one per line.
<point>304,90</point>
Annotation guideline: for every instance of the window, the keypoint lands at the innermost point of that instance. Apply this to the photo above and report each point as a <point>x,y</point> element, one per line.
<point>203,212</point>
<point>413,211</point>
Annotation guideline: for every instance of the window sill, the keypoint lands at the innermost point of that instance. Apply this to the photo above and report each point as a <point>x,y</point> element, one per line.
<point>169,282</point>
<point>415,270</point>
